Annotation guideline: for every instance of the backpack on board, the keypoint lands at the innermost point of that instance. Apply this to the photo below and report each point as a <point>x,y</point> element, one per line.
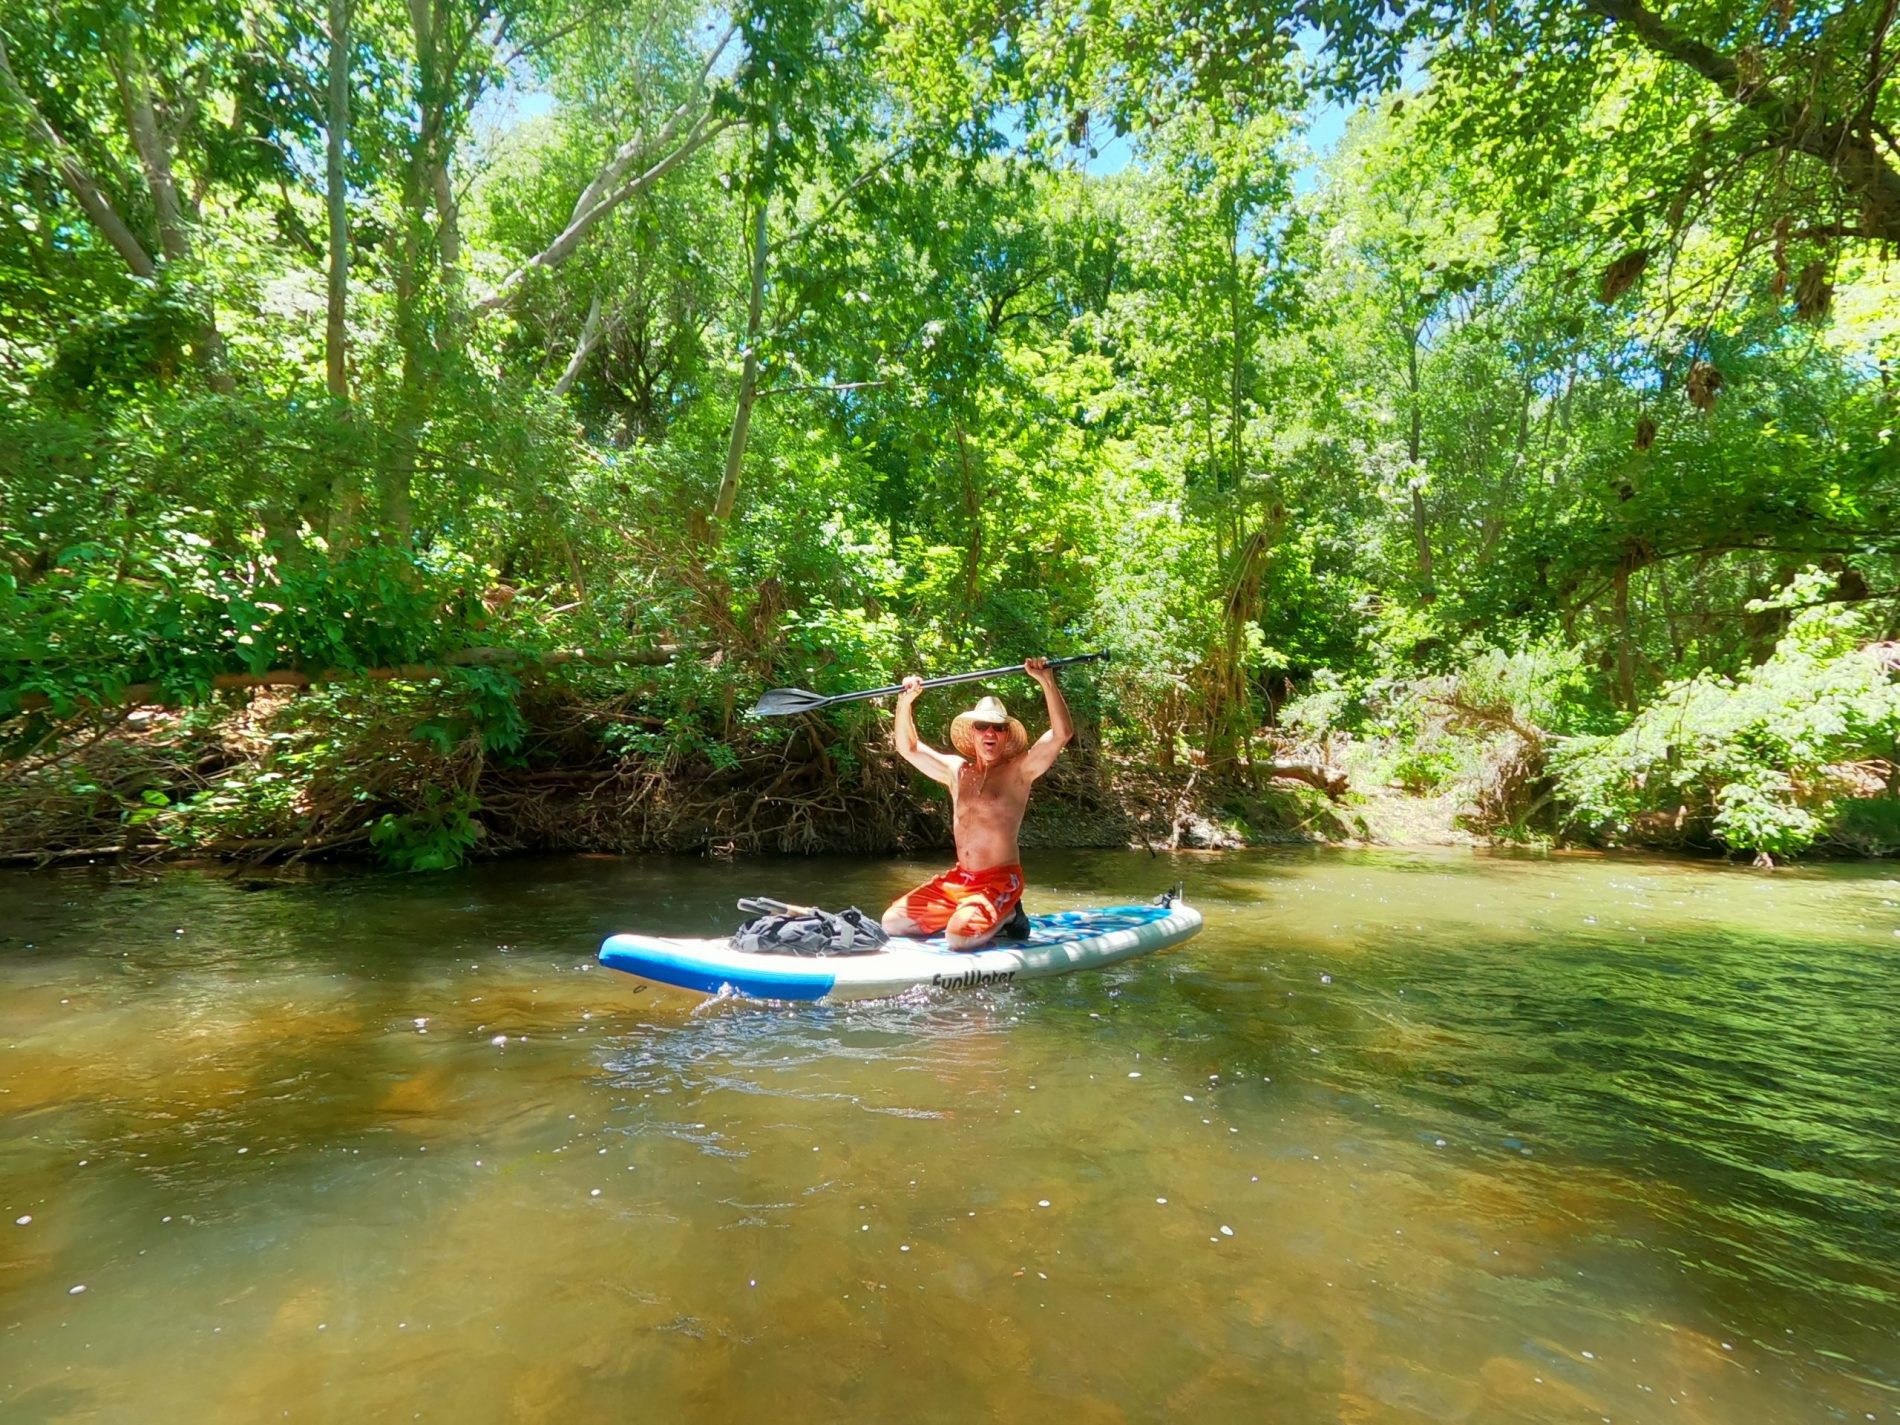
<point>780,929</point>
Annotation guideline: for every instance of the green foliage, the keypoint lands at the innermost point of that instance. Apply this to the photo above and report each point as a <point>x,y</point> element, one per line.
<point>393,767</point>
<point>484,711</point>
<point>1759,759</point>
<point>1423,770</point>
<point>1477,734</point>
<point>1542,685</point>
<point>1866,826</point>
<point>1328,704</point>
<point>1757,811</point>
<point>675,742</point>
<point>436,836</point>
<point>178,613</point>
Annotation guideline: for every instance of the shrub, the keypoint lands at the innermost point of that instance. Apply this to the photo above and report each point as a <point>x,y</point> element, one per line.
<point>1759,761</point>
<point>1867,826</point>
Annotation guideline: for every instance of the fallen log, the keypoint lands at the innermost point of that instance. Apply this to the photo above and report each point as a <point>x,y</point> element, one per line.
<point>256,847</point>
<point>146,694</point>
<point>1500,715</point>
<point>1329,780</point>
<point>38,859</point>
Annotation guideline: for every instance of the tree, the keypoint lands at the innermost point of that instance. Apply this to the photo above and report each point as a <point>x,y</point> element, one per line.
<point>1778,117</point>
<point>146,116</point>
<point>1207,286</point>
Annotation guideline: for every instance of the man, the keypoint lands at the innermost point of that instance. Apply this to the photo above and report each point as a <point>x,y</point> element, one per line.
<point>989,778</point>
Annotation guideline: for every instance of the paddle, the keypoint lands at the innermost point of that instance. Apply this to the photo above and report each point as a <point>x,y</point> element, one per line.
<point>782,702</point>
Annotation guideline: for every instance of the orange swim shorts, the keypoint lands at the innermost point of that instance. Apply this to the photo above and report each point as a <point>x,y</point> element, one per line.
<point>968,903</point>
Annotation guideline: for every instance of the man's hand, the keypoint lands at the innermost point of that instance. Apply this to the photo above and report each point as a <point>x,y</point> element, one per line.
<point>913,685</point>
<point>1039,669</point>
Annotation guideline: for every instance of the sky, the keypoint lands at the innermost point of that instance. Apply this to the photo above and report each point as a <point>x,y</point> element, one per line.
<point>516,104</point>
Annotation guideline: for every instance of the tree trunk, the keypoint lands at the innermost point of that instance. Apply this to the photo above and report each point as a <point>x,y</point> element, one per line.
<point>154,154</point>
<point>336,197</point>
<point>449,232</point>
<point>1499,513</point>
<point>396,469</point>
<point>1207,432</point>
<point>1666,599</point>
<point>346,502</point>
<point>434,137</point>
<point>1625,653</point>
<point>1414,451</point>
<point>420,340</point>
<point>749,371</point>
<point>1329,780</point>
<point>973,513</point>
<point>85,190</point>
<point>1237,376</point>
<point>174,227</point>
<point>1227,707</point>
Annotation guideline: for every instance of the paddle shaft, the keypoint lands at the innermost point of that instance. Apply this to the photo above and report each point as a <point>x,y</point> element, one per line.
<point>950,678</point>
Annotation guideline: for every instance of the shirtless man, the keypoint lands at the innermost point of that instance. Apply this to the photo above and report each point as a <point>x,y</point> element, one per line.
<point>989,778</point>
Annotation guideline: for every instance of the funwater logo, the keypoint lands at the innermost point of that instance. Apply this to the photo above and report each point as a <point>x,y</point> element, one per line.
<point>969,978</point>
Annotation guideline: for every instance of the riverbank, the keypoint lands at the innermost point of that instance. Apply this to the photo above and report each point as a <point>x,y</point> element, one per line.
<point>426,777</point>
<point>408,777</point>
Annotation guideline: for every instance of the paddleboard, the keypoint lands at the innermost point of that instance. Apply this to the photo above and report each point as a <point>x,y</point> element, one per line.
<point>1057,943</point>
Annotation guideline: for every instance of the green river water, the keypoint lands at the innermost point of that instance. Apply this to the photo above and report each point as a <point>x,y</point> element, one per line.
<point>1399,1138</point>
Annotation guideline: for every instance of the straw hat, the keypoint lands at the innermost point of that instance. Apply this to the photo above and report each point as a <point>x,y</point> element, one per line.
<point>990,710</point>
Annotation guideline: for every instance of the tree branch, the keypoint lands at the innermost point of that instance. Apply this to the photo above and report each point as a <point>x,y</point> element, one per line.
<point>826,386</point>
<point>608,191</point>
<point>1496,715</point>
<point>73,174</point>
<point>590,338</point>
<point>1710,63</point>
<point>1833,230</point>
<point>863,178</point>
<point>536,43</point>
<point>1842,143</point>
<point>1877,67</point>
<point>138,694</point>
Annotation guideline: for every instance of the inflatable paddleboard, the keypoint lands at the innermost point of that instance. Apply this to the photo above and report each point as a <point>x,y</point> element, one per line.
<point>1057,943</point>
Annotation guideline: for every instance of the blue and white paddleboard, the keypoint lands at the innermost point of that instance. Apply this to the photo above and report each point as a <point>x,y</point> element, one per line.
<point>1067,940</point>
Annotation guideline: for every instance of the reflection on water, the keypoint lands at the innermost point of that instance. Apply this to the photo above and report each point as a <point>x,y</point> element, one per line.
<point>1398,1138</point>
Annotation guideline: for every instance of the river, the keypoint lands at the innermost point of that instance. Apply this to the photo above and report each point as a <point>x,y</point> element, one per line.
<point>1401,1137</point>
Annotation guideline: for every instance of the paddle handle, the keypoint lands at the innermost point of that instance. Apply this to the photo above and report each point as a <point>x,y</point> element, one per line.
<point>947,679</point>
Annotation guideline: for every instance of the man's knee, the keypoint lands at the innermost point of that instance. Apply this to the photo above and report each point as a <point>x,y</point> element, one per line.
<point>972,927</point>
<point>897,921</point>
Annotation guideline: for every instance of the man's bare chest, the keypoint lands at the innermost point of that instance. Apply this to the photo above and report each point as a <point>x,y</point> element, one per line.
<point>978,795</point>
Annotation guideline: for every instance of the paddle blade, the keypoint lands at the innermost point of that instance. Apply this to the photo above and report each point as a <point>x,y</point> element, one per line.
<point>783,702</point>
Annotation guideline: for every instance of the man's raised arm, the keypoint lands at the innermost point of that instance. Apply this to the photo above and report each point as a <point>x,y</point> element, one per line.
<point>1042,752</point>
<point>937,766</point>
